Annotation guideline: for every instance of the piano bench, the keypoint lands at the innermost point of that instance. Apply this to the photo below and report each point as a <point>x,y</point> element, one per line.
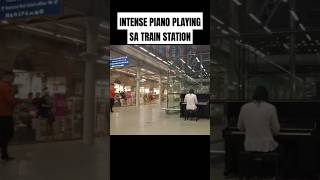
<point>259,164</point>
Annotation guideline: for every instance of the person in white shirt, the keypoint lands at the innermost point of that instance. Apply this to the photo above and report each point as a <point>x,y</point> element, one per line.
<point>259,120</point>
<point>191,102</point>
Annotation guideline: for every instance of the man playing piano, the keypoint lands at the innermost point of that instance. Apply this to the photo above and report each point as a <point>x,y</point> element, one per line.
<point>259,120</point>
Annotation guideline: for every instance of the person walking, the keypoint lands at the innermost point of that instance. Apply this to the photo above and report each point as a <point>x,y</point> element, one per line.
<point>112,95</point>
<point>7,105</point>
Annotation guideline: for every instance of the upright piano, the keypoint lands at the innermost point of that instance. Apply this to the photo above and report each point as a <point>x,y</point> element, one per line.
<point>298,135</point>
<point>203,105</point>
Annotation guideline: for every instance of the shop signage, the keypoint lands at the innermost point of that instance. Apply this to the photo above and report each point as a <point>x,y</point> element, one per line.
<point>10,9</point>
<point>119,62</point>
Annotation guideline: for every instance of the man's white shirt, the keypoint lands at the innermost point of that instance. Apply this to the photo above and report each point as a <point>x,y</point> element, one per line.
<point>191,100</point>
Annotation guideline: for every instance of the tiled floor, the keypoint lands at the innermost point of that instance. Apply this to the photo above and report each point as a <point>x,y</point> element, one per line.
<point>152,120</point>
<point>57,161</point>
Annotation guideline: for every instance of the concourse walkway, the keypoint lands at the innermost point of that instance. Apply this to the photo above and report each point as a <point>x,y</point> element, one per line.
<point>57,161</point>
<point>152,120</point>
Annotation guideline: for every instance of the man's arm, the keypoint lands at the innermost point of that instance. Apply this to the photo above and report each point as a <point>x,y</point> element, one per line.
<point>240,123</point>
<point>275,125</point>
<point>195,99</point>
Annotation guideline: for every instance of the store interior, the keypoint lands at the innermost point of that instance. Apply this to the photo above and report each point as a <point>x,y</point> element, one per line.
<point>62,54</point>
<point>163,74</point>
<point>48,54</point>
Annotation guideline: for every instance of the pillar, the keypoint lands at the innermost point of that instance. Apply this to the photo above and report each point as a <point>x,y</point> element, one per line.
<point>138,78</point>
<point>160,89</point>
<point>89,81</point>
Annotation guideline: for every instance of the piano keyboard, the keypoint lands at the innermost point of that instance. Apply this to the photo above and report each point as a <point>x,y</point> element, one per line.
<point>281,133</point>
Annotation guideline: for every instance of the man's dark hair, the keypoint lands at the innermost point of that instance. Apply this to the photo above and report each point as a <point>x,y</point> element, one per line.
<point>261,94</point>
<point>191,91</point>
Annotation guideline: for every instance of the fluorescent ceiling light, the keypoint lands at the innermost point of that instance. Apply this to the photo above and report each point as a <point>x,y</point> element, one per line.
<point>143,49</point>
<point>218,20</point>
<point>201,66</point>
<point>152,54</point>
<point>302,27</point>
<point>189,67</point>
<point>224,31</point>
<point>267,29</point>
<point>36,29</point>
<point>294,15</point>
<point>237,2</point>
<point>182,60</point>
<point>193,70</point>
<point>198,59</point>
<point>254,18</point>
<point>104,26</point>
<point>159,59</point>
<point>308,37</point>
<point>72,39</point>
<point>233,30</point>
<point>165,62</point>
<point>69,27</point>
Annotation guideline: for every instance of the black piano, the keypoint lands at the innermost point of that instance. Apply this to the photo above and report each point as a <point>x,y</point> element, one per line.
<point>298,135</point>
<point>203,105</point>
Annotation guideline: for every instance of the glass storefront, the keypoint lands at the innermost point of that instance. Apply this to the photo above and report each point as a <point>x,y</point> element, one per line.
<point>124,80</point>
<point>50,84</point>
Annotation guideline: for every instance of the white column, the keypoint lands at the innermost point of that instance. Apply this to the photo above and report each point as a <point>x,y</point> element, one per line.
<point>89,81</point>
<point>138,78</point>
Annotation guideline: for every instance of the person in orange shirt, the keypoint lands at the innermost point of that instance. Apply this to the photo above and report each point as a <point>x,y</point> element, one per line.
<point>112,95</point>
<point>7,104</point>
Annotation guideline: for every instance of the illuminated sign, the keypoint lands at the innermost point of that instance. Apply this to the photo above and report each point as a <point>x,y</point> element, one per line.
<point>10,9</point>
<point>119,62</point>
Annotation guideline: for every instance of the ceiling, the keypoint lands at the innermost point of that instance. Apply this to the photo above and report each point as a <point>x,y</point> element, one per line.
<point>68,27</point>
<point>265,25</point>
<point>273,31</point>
